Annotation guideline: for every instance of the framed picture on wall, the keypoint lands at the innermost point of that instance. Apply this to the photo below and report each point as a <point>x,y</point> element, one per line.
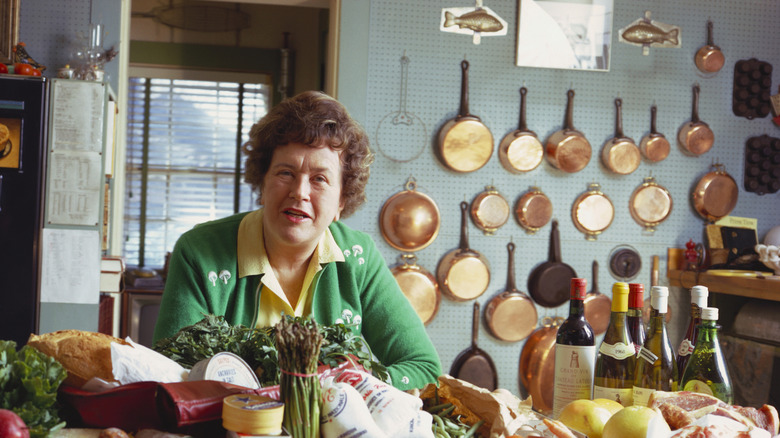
<point>565,34</point>
<point>9,13</point>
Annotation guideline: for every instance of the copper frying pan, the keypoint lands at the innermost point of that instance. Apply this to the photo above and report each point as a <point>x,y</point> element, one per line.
<point>521,150</point>
<point>654,146</point>
<point>473,364</point>
<point>709,58</point>
<point>511,315</point>
<point>465,143</point>
<point>620,154</point>
<point>715,195</point>
<point>549,283</point>
<point>463,273</point>
<point>597,305</point>
<point>536,371</point>
<point>568,149</point>
<point>419,286</point>
<point>695,137</point>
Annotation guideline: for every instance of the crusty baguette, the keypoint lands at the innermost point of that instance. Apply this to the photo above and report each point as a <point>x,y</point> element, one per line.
<point>83,354</point>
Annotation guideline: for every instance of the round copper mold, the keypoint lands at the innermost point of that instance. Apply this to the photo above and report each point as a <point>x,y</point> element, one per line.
<point>533,210</point>
<point>409,220</point>
<point>592,212</point>
<point>489,210</point>
<point>419,286</point>
<point>650,204</point>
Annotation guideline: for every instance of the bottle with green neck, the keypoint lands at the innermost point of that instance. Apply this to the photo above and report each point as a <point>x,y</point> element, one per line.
<point>656,369</point>
<point>698,300</point>
<point>615,360</point>
<point>706,371</point>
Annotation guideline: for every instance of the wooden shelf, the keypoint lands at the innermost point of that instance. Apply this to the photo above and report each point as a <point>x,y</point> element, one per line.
<point>765,287</point>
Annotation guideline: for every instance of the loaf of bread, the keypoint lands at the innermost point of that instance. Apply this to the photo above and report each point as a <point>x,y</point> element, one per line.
<point>83,354</point>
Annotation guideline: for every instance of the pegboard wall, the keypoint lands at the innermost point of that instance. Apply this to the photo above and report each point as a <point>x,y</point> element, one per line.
<point>664,77</point>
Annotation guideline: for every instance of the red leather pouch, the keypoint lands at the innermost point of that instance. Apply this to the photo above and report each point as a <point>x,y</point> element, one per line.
<point>128,407</point>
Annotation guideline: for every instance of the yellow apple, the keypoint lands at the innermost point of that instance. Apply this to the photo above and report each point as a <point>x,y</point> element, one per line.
<point>636,422</point>
<point>611,405</point>
<point>585,416</point>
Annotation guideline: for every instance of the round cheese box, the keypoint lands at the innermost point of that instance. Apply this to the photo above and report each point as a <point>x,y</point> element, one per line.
<point>225,367</point>
<point>252,414</point>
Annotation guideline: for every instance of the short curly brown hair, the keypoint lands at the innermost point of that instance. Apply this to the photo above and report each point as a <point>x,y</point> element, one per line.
<point>312,118</point>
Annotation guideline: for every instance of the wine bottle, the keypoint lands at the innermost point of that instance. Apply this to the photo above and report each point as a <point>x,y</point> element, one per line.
<point>656,368</point>
<point>615,360</point>
<point>634,318</point>
<point>698,300</point>
<point>706,371</point>
<point>575,352</point>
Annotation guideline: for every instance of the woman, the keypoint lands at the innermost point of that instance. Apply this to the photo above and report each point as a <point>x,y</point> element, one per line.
<point>309,162</point>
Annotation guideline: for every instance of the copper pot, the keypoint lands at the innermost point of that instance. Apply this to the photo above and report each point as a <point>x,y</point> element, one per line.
<point>592,212</point>
<point>715,195</point>
<point>463,273</point>
<point>419,286</point>
<point>409,220</point>
<point>650,204</point>
<point>489,210</point>
<point>568,149</point>
<point>654,146</point>
<point>511,315</point>
<point>695,136</point>
<point>533,210</point>
<point>709,58</point>
<point>620,154</point>
<point>536,371</point>
<point>521,150</point>
<point>465,144</point>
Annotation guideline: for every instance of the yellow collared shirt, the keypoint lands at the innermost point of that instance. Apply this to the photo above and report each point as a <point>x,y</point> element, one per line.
<point>253,260</point>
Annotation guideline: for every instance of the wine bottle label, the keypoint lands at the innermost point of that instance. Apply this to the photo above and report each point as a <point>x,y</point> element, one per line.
<point>624,396</point>
<point>574,368</point>
<point>698,386</point>
<point>642,395</point>
<point>686,348</point>
<point>647,355</point>
<point>618,350</point>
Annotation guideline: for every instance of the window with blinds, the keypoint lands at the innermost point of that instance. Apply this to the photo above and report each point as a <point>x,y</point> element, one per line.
<point>184,160</point>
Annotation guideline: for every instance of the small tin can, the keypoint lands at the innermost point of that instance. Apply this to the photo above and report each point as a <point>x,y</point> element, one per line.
<point>252,415</point>
<point>225,367</point>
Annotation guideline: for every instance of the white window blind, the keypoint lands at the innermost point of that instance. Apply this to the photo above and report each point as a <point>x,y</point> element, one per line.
<point>184,164</point>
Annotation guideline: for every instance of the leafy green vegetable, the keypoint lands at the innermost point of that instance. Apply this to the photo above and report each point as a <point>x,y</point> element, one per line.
<point>29,381</point>
<point>257,347</point>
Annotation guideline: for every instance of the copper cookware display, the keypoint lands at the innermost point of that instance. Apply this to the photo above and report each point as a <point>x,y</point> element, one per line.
<point>463,273</point>
<point>536,371</point>
<point>409,220</point>
<point>598,306</point>
<point>533,210</point>
<point>568,149</point>
<point>695,137</point>
<point>521,150</point>
<point>592,212</point>
<point>473,364</point>
<point>465,143</point>
<point>715,195</point>
<point>419,286</point>
<point>620,154</point>
<point>654,146</point>
<point>489,210</point>
<point>549,283</point>
<point>511,315</point>
<point>709,58</point>
<point>650,204</point>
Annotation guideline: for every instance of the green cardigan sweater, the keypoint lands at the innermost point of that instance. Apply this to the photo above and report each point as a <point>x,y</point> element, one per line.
<point>202,278</point>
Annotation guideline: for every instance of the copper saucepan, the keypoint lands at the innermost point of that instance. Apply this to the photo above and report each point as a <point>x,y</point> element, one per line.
<point>463,273</point>
<point>419,286</point>
<point>695,137</point>
<point>654,146</point>
<point>409,220</point>
<point>533,210</point>
<point>521,150</point>
<point>709,58</point>
<point>568,149</point>
<point>715,195</point>
<point>620,154</point>
<point>536,371</point>
<point>597,305</point>
<point>465,143</point>
<point>511,315</point>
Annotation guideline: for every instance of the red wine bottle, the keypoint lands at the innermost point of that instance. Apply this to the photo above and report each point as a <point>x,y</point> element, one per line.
<point>634,317</point>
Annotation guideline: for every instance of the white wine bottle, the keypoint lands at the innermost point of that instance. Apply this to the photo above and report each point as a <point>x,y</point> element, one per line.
<point>706,371</point>
<point>575,352</point>
<point>656,368</point>
<point>698,300</point>
<point>615,360</point>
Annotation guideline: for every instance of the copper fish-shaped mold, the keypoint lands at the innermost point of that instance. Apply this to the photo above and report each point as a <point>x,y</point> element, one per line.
<point>478,20</point>
<point>646,33</point>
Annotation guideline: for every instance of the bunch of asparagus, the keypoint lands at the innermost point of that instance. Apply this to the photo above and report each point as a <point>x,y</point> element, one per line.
<point>299,342</point>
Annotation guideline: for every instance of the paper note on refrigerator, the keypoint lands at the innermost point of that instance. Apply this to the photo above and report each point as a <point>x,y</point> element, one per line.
<point>70,266</point>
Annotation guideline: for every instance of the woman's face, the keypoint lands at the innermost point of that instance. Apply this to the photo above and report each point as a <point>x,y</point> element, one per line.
<point>301,196</point>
